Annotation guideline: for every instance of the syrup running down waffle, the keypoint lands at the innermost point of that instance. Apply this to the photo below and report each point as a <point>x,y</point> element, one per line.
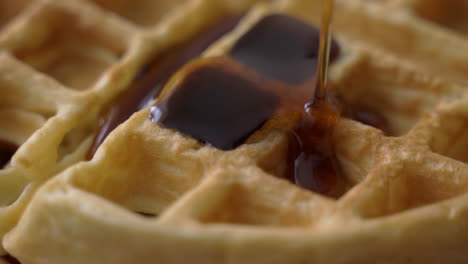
<point>160,131</point>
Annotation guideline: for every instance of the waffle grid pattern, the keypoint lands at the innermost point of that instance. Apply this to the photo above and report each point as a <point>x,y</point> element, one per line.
<point>151,194</point>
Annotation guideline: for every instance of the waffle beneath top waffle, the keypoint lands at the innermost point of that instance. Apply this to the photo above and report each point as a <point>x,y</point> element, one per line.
<point>151,194</point>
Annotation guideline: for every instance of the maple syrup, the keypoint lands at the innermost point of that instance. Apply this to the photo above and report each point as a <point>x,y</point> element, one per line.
<point>216,104</point>
<point>221,104</point>
<point>312,161</point>
<point>281,48</point>
<point>150,81</point>
<point>7,150</point>
<point>270,70</point>
<point>222,101</point>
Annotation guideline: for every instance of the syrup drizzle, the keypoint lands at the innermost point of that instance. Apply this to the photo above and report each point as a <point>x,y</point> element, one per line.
<point>222,101</point>
<point>312,161</point>
<point>150,81</point>
<point>324,51</point>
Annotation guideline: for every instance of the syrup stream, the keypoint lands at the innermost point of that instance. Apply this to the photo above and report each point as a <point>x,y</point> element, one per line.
<point>324,50</point>
<point>315,165</point>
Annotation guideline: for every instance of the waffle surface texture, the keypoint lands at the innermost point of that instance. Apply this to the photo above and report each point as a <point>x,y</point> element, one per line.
<point>154,195</point>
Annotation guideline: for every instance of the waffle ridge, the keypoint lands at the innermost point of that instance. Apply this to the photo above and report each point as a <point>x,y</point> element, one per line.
<point>152,194</point>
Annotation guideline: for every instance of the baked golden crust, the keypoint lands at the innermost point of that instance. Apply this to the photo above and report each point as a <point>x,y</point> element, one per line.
<point>152,194</point>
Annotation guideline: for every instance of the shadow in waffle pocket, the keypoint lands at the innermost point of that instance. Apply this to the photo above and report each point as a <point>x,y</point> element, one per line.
<point>396,96</point>
<point>17,126</point>
<point>19,120</point>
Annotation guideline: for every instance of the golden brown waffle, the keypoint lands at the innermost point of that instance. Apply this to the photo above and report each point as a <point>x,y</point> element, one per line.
<point>154,195</point>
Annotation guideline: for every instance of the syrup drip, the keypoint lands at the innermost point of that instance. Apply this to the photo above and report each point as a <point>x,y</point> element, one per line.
<point>313,163</point>
<point>311,158</point>
<point>222,101</point>
<point>149,83</point>
<point>7,150</point>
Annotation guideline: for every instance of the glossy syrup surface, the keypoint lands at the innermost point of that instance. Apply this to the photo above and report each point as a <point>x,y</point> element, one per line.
<point>224,107</point>
<point>7,150</point>
<point>282,48</point>
<point>222,104</point>
<point>312,163</point>
<point>150,81</point>
<point>216,106</point>
<point>315,164</point>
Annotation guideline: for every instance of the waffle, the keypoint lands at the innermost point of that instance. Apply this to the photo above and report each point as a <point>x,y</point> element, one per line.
<point>151,194</point>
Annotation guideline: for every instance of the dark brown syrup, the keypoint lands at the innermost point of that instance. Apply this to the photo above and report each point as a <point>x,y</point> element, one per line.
<point>7,150</point>
<point>282,48</point>
<point>150,81</point>
<point>221,104</point>
<point>216,106</point>
<point>312,163</point>
<point>315,165</point>
<point>270,73</point>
